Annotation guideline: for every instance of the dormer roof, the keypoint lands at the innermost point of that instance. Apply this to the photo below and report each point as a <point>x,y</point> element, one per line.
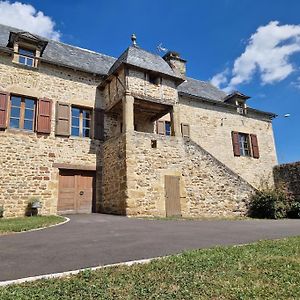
<point>236,95</point>
<point>24,36</point>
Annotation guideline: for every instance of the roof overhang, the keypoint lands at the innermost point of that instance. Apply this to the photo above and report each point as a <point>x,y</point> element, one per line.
<point>270,115</point>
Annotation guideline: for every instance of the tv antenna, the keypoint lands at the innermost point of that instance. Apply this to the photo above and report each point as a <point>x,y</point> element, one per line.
<point>160,48</point>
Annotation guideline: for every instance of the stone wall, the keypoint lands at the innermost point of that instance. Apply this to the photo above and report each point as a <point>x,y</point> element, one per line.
<point>27,158</point>
<point>207,187</point>
<point>288,175</point>
<point>138,84</point>
<point>211,127</point>
<point>114,176</point>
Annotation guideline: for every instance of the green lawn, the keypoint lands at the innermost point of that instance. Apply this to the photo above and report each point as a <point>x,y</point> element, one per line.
<point>27,223</point>
<point>265,270</point>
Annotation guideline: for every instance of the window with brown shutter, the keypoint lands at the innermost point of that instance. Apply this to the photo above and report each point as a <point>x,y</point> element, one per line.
<point>44,116</point>
<point>245,144</point>
<point>22,113</point>
<point>254,144</point>
<point>99,124</point>
<point>161,129</point>
<point>63,112</point>
<point>235,143</point>
<point>185,130</point>
<point>3,109</point>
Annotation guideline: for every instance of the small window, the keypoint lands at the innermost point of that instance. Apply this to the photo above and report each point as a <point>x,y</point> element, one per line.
<point>154,79</point>
<point>26,57</point>
<point>22,113</point>
<point>81,122</point>
<point>168,128</point>
<point>244,143</point>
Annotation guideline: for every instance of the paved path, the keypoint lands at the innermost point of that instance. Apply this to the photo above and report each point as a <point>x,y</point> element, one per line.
<point>93,240</point>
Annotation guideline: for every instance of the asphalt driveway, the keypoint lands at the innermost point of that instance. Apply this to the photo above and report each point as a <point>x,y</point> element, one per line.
<point>93,240</point>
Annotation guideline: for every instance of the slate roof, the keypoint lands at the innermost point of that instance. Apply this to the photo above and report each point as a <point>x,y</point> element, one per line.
<point>201,89</point>
<point>60,53</point>
<point>138,57</point>
<point>86,60</point>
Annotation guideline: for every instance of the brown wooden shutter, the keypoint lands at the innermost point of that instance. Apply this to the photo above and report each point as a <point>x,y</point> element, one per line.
<point>236,144</point>
<point>44,116</point>
<point>161,128</point>
<point>63,118</point>
<point>3,109</point>
<point>185,130</point>
<point>99,124</point>
<point>254,144</point>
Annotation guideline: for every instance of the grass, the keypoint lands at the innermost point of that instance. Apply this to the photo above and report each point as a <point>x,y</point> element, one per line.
<point>264,270</point>
<point>27,223</point>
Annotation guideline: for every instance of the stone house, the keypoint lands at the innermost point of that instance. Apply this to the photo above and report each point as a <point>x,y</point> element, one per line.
<point>86,132</point>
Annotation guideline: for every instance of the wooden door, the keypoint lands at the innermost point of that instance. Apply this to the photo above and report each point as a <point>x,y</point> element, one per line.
<point>76,191</point>
<point>172,189</point>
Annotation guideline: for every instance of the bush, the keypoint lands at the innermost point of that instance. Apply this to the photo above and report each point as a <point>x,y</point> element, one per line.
<point>294,209</point>
<point>269,203</point>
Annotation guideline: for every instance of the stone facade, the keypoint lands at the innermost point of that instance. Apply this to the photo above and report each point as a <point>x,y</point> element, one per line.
<point>130,172</point>
<point>211,127</point>
<point>27,159</point>
<point>207,187</point>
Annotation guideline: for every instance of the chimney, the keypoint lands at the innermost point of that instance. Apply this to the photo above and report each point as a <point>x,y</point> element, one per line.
<point>176,63</point>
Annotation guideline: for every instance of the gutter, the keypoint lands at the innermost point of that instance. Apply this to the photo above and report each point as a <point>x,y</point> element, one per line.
<point>220,103</point>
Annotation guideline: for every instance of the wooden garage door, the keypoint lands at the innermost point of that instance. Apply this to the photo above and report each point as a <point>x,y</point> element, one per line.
<point>76,191</point>
<point>172,189</point>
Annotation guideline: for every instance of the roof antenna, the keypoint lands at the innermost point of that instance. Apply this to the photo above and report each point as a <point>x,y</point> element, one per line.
<point>160,48</point>
<point>133,39</point>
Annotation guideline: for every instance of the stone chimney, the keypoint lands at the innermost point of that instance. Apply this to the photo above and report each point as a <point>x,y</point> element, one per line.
<point>176,63</point>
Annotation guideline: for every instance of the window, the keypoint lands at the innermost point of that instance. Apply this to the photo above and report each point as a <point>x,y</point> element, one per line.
<point>154,79</point>
<point>241,109</point>
<point>164,127</point>
<point>26,57</point>
<point>81,122</point>
<point>22,113</point>
<point>168,128</point>
<point>244,143</point>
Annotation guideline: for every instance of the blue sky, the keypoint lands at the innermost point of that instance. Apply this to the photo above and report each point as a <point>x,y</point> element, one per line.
<point>211,35</point>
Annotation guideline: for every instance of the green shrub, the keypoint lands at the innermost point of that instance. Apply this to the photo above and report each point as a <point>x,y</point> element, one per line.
<point>269,203</point>
<point>294,209</point>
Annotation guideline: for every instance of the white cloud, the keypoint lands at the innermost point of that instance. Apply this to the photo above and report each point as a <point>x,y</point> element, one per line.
<point>268,52</point>
<point>220,78</point>
<point>26,17</point>
<point>296,83</point>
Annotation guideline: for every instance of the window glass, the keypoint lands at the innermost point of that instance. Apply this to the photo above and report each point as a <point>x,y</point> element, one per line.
<point>75,131</point>
<point>15,112</point>
<point>29,103</point>
<point>28,124</point>
<point>81,122</point>
<point>22,113</point>
<point>14,123</point>
<point>26,52</point>
<point>244,144</point>
<point>16,101</point>
<point>26,57</point>
<point>86,132</point>
<point>75,112</point>
<point>168,128</point>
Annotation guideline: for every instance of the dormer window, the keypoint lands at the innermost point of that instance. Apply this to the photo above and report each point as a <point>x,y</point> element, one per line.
<point>26,57</point>
<point>27,48</point>
<point>241,108</point>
